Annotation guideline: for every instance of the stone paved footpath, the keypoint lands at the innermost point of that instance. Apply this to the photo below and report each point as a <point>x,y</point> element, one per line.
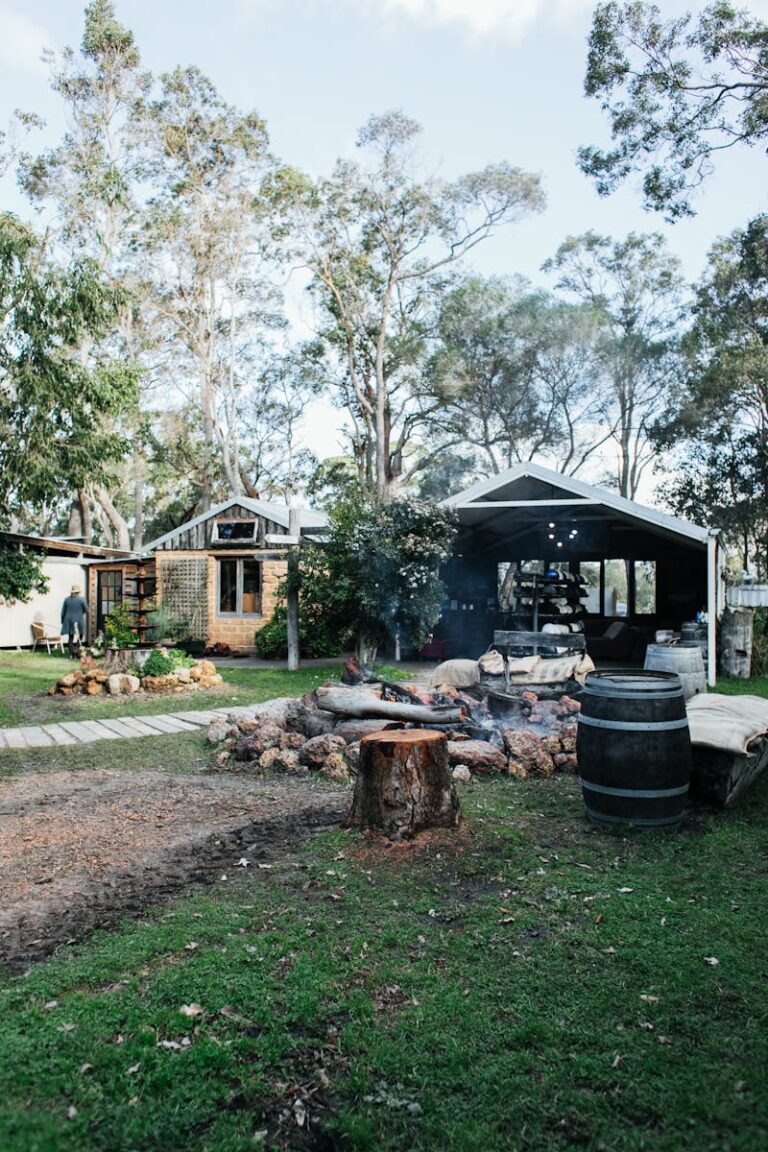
<point>125,728</point>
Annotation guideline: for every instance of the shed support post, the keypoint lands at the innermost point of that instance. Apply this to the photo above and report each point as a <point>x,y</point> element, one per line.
<point>292,595</point>
<point>713,575</point>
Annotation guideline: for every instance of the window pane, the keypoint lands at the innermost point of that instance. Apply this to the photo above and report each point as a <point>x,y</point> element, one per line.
<point>589,570</point>
<point>645,587</point>
<point>251,585</point>
<point>110,591</point>
<point>236,529</point>
<point>616,587</point>
<point>228,586</point>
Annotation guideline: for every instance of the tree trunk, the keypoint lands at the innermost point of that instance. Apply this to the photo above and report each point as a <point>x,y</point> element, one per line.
<point>404,784</point>
<point>366,704</point>
<point>736,642</point>
<point>85,516</point>
<point>138,501</point>
<point>118,522</point>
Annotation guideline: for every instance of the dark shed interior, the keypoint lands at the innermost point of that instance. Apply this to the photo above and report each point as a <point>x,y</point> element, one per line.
<point>531,551</point>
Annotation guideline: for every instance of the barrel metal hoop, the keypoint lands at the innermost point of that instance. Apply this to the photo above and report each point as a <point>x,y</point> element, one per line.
<point>638,697</point>
<point>602,818</point>
<point>635,793</point>
<point>633,725</point>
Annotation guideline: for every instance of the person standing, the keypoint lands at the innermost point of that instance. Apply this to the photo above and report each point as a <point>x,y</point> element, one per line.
<point>74,619</point>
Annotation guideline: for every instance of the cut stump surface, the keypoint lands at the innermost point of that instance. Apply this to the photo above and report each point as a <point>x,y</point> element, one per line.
<point>404,784</point>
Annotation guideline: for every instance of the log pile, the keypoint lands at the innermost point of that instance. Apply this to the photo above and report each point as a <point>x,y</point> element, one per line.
<point>323,731</point>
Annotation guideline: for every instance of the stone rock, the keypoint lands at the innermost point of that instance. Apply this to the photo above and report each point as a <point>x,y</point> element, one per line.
<point>295,717</point>
<point>568,705</point>
<point>281,760</point>
<point>158,683</point>
<point>552,744</point>
<point>318,748</point>
<point>130,684</point>
<point>67,691</point>
<point>352,753</point>
<point>203,669</point>
<point>319,722</point>
<point>478,755</point>
<point>527,752</point>
<point>221,759</point>
<point>275,711</point>
<point>247,724</point>
<point>266,736</point>
<point>94,688</point>
<point>462,774</point>
<point>335,767</point>
<point>68,680</point>
<point>97,674</point>
<point>218,731</point>
<point>568,738</point>
<point>115,684</point>
<point>183,676</point>
<point>293,740</point>
<point>565,762</point>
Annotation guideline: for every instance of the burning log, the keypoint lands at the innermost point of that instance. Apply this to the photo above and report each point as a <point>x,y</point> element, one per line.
<point>363,704</point>
<point>404,784</point>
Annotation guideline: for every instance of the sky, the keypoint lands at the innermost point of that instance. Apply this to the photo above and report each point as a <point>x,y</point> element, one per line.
<point>489,80</point>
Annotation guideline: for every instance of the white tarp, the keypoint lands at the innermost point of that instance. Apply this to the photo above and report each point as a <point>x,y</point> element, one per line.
<point>729,723</point>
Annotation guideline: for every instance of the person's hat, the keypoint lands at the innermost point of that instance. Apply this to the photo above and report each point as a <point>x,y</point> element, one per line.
<point>76,589</point>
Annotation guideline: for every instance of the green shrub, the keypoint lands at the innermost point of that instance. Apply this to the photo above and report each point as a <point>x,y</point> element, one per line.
<point>157,664</point>
<point>179,659</point>
<point>163,625</point>
<point>119,627</point>
<point>315,638</point>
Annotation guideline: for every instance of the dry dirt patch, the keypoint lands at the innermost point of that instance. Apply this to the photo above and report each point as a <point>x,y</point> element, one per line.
<point>79,848</point>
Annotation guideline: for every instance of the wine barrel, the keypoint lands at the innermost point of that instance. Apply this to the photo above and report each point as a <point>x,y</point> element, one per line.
<point>634,748</point>
<point>684,659</point>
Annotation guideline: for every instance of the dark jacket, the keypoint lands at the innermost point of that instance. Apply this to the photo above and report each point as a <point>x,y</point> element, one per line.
<point>74,611</point>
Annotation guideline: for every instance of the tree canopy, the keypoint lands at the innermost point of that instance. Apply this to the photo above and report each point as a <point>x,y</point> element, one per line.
<point>677,92</point>
<point>56,400</point>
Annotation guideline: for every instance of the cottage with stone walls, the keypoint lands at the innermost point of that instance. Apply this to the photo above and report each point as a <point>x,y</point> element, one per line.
<point>220,572</point>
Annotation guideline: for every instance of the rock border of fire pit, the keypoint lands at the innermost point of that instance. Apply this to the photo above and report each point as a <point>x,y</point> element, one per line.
<point>298,736</point>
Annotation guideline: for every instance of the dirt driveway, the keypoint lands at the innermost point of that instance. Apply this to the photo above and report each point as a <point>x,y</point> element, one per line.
<point>77,849</point>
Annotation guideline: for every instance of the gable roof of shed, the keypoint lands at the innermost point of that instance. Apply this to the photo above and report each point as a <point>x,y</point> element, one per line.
<point>311,519</point>
<point>509,488</point>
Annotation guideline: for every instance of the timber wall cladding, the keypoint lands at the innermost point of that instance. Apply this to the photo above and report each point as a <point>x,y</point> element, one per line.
<point>183,588</point>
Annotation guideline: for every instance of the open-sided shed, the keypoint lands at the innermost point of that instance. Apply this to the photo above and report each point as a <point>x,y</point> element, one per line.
<point>618,561</point>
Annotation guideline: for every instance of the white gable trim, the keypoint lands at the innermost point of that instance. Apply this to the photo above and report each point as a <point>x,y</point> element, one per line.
<point>587,492</point>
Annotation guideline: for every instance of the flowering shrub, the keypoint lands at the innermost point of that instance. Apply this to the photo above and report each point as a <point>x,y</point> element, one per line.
<point>377,571</point>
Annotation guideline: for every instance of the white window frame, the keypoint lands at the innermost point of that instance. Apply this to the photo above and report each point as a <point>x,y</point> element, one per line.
<point>238,614</point>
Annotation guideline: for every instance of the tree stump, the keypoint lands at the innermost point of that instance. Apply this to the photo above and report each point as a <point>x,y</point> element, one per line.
<point>736,642</point>
<point>404,784</point>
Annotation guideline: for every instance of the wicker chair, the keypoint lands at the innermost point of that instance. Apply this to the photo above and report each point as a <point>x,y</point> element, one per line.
<point>45,634</point>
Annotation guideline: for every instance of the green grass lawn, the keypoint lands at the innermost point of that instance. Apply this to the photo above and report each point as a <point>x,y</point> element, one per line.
<point>25,678</point>
<point>528,983</point>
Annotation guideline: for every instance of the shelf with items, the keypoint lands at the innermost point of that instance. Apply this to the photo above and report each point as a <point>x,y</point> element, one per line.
<point>549,596</point>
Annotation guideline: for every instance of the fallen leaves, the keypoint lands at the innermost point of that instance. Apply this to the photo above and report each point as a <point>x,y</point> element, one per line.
<point>192,1010</point>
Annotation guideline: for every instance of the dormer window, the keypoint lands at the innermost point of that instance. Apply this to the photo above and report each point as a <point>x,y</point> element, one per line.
<point>235,531</point>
